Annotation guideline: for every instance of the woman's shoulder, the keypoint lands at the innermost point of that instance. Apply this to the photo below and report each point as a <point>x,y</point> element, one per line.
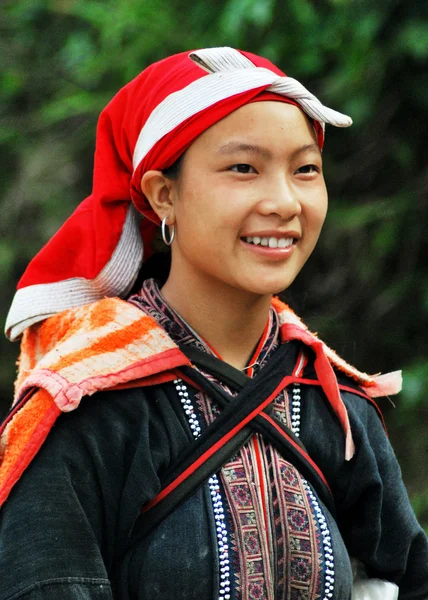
<point>98,346</point>
<point>109,414</point>
<point>85,356</point>
<point>35,424</point>
<point>109,429</point>
<point>292,327</point>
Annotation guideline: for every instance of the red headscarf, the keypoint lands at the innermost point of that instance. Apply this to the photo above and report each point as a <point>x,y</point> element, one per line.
<point>99,250</point>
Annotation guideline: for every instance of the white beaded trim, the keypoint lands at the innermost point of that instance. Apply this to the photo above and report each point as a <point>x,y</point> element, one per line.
<point>217,502</point>
<point>295,409</point>
<point>188,407</point>
<point>222,540</point>
<point>326,540</point>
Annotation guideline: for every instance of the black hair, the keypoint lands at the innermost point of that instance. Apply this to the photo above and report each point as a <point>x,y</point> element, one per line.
<point>156,267</point>
<point>174,171</point>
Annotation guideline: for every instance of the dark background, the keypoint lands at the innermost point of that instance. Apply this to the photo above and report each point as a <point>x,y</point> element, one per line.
<point>365,290</point>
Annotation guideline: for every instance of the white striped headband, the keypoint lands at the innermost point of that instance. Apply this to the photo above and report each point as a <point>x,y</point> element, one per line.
<point>230,73</point>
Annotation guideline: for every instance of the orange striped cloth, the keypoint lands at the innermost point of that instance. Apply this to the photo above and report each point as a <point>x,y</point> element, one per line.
<point>105,345</point>
<point>111,344</point>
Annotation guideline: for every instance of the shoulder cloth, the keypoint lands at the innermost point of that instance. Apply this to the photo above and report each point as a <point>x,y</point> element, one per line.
<point>112,344</point>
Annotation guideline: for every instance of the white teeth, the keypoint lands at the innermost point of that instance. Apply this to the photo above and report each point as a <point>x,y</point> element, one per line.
<point>272,242</point>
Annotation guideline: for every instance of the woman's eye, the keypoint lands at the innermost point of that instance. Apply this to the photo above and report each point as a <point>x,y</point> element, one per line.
<point>308,169</point>
<point>242,168</point>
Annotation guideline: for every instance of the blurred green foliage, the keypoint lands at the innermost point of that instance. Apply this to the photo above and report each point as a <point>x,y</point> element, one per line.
<point>366,287</point>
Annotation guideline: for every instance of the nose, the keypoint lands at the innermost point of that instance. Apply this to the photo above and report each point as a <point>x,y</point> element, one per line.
<point>281,198</point>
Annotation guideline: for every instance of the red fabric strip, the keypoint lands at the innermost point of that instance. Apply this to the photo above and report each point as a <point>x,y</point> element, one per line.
<point>346,388</point>
<point>301,363</point>
<point>298,448</point>
<point>259,467</point>
<point>258,349</point>
<point>327,379</point>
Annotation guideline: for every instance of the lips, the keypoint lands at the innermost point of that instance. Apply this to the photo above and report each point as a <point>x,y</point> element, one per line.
<point>269,241</point>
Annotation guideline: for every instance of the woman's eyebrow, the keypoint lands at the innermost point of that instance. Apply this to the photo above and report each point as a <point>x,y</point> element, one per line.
<point>306,148</point>
<point>233,147</point>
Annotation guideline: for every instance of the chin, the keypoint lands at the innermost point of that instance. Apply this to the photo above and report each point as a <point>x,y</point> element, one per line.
<point>268,288</point>
<point>264,282</point>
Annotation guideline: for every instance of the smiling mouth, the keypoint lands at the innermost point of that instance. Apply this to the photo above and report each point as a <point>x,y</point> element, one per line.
<point>270,242</point>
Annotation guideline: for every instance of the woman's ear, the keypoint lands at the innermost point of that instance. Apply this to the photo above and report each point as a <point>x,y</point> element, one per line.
<point>158,190</point>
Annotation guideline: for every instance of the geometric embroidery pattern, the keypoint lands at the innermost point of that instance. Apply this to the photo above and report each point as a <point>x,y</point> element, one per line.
<point>251,541</point>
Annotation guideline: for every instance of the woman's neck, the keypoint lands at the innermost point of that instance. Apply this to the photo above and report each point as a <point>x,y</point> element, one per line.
<point>231,321</point>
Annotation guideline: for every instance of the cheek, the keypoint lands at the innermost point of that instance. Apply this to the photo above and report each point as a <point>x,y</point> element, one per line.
<point>194,218</point>
<point>316,211</point>
<point>322,213</point>
<point>204,209</point>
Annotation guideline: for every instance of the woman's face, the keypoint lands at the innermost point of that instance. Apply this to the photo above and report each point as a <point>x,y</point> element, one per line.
<point>250,201</point>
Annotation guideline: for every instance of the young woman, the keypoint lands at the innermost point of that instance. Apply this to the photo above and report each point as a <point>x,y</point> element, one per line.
<point>225,451</point>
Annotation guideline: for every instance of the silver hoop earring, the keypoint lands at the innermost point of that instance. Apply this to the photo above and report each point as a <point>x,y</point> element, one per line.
<point>163,229</point>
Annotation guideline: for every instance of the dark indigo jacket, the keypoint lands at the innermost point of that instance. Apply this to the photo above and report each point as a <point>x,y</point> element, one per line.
<point>69,518</point>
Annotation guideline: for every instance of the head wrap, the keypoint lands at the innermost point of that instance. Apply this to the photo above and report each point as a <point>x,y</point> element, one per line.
<point>150,122</point>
